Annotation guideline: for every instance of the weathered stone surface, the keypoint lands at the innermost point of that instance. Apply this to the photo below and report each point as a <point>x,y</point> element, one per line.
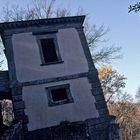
<point>97,130</point>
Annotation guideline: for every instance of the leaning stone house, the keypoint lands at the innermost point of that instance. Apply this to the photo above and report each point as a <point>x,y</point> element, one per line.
<point>53,82</point>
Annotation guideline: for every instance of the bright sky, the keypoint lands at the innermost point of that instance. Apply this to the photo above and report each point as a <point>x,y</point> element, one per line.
<point>124,31</point>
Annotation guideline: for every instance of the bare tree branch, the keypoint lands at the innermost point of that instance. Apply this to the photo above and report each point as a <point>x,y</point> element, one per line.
<point>112,82</point>
<point>101,54</point>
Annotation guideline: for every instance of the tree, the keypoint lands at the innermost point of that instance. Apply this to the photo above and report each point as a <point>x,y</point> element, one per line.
<point>127,115</point>
<point>120,104</point>
<point>101,54</point>
<point>43,9</point>
<point>138,95</point>
<point>135,7</point>
<point>112,82</point>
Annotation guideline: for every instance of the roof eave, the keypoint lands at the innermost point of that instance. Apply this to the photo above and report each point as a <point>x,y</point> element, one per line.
<point>42,22</point>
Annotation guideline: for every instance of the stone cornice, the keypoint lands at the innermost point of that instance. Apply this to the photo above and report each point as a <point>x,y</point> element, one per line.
<point>41,22</point>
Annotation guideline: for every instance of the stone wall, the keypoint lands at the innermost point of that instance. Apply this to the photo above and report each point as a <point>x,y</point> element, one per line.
<point>91,129</point>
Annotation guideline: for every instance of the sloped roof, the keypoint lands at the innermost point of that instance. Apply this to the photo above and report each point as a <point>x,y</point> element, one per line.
<point>4,81</point>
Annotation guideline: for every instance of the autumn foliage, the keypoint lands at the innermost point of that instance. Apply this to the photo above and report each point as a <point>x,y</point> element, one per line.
<point>120,103</point>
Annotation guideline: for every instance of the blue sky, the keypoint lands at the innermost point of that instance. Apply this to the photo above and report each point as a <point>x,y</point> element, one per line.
<point>124,31</point>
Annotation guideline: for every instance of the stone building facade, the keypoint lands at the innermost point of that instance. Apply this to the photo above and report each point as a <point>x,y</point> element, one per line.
<point>54,84</point>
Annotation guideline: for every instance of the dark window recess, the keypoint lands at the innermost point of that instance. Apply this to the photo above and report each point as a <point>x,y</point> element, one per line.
<point>59,94</point>
<point>48,50</point>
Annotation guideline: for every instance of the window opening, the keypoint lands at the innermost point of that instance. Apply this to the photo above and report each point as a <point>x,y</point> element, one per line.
<point>49,50</point>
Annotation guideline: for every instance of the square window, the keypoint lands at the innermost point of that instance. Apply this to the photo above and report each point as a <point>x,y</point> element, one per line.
<point>58,95</point>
